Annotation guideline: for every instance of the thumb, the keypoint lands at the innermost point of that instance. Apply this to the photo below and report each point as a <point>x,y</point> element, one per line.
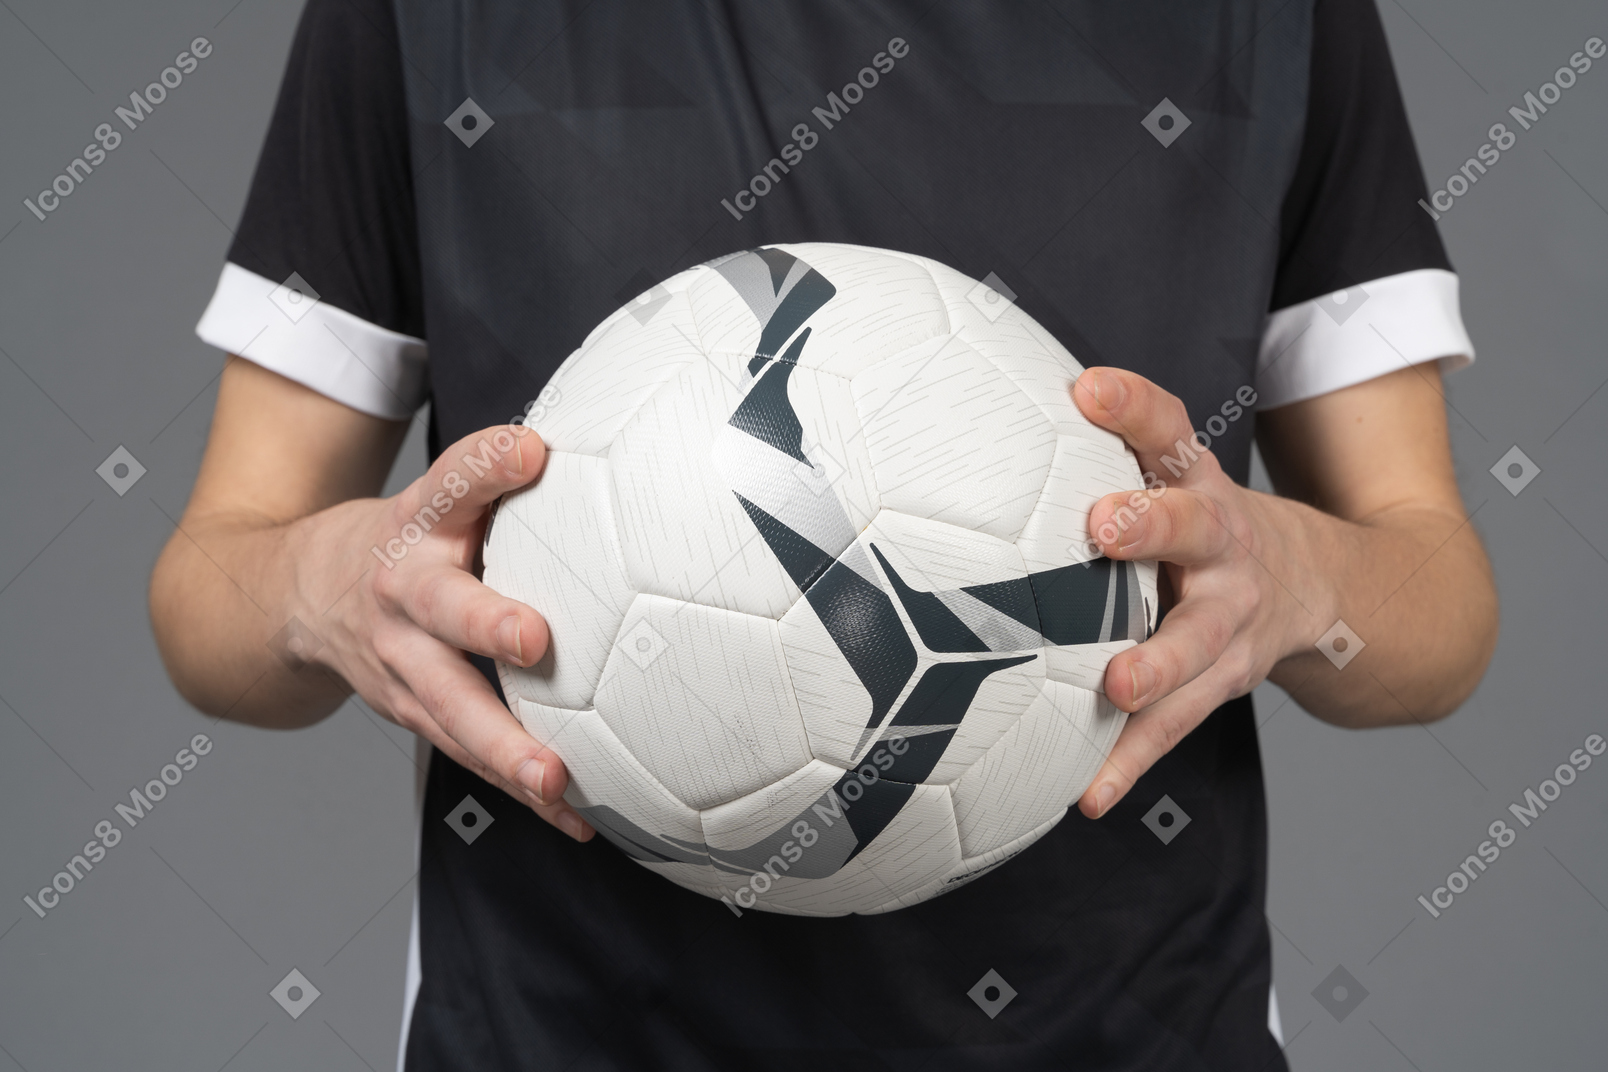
<point>478,468</point>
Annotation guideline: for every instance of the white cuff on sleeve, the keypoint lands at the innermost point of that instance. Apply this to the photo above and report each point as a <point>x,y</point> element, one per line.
<point>1354,335</point>
<point>285,328</point>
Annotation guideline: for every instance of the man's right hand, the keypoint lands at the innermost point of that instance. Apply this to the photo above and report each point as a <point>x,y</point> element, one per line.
<point>275,530</point>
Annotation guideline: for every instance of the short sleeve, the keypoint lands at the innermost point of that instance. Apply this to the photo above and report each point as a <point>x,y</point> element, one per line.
<point>1363,286</point>
<point>322,283</point>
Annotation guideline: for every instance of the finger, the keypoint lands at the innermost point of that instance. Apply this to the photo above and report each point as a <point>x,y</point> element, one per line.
<point>460,701</point>
<point>455,608</point>
<point>477,469</point>
<point>1177,525</point>
<point>1148,736</point>
<point>560,814</point>
<point>1192,638</point>
<point>1153,421</point>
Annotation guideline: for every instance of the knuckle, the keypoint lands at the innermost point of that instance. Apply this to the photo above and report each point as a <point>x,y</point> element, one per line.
<point>407,712</point>
<point>436,706</point>
<point>1241,672</point>
<point>403,506</point>
<point>1218,630</point>
<point>1247,600</point>
<point>1176,415</point>
<point>1233,523</point>
<point>427,601</point>
<point>445,715</point>
<point>387,646</point>
<point>1217,522</point>
<point>1168,730</point>
<point>387,584</point>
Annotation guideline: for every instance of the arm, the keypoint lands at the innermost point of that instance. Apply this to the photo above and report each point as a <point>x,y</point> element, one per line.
<point>1372,532</point>
<point>280,526</point>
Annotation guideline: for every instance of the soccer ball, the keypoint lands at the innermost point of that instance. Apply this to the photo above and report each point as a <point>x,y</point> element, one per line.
<point>828,631</point>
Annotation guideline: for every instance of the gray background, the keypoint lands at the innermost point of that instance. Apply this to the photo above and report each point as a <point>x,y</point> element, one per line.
<point>296,850</point>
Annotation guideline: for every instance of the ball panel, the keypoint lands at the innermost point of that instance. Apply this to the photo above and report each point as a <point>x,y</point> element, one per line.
<point>553,545</point>
<point>878,305</point>
<point>618,796</point>
<point>833,701</point>
<point>795,450</point>
<point>968,613</point>
<point>701,698</point>
<point>937,556</point>
<point>599,387</point>
<point>952,439</point>
<point>884,305</point>
<point>684,533</point>
<point>834,442</point>
<point>816,845</point>
<point>1045,377</point>
<point>971,869</point>
<point>1034,360</point>
<point>644,307</point>
<point>1081,472</point>
<point>1083,665</point>
<point>933,569</point>
<point>1039,767</point>
<point>918,845</point>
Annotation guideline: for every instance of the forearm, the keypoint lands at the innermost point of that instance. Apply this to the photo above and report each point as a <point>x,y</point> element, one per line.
<point>283,489</point>
<point>1412,582</point>
<point>224,586</point>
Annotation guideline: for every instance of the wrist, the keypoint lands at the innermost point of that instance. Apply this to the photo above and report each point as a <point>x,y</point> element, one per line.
<point>324,558</point>
<point>1292,541</point>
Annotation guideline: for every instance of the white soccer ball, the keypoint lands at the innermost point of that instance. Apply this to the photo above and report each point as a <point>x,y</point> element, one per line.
<point>828,632</point>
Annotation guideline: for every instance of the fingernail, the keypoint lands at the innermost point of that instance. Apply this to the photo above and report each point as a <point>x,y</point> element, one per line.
<point>1128,535</point>
<point>1143,678</point>
<point>1108,391</point>
<point>1104,798</point>
<point>508,637</point>
<point>530,774</point>
<point>570,823</point>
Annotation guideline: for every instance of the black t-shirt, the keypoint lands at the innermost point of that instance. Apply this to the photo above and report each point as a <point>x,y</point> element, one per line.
<point>614,144</point>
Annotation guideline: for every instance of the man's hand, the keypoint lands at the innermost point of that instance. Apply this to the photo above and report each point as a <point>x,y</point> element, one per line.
<point>398,636</point>
<point>278,529</point>
<point>1251,581</point>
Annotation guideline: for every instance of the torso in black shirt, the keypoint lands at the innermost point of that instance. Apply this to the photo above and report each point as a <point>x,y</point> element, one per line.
<point>1008,140</point>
